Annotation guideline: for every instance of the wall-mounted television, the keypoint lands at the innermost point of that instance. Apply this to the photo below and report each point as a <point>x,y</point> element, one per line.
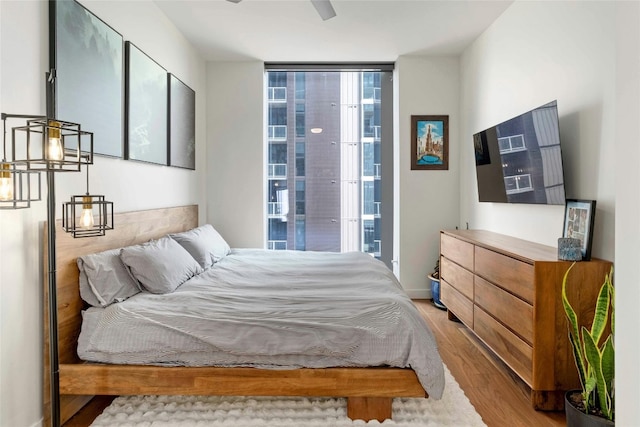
<point>520,160</point>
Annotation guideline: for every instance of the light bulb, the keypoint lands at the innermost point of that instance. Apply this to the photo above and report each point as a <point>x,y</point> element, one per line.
<point>86,217</point>
<point>6,183</point>
<point>54,144</point>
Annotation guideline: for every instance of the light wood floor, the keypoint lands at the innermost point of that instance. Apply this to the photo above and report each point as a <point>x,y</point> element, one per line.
<point>500,397</point>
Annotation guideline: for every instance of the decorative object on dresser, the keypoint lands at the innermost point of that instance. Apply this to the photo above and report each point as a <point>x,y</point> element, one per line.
<point>507,291</point>
<point>578,223</point>
<point>569,249</point>
<point>594,355</point>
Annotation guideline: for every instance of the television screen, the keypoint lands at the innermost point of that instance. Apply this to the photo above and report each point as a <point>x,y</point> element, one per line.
<point>520,160</point>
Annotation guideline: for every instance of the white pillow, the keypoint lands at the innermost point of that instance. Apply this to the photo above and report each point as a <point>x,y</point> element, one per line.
<point>104,279</point>
<point>204,244</point>
<point>160,265</point>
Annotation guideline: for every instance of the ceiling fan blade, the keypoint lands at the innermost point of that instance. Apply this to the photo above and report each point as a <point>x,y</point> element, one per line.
<point>235,1</point>
<point>324,8</point>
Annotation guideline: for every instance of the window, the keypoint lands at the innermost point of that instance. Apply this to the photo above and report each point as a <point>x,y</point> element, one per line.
<point>300,158</point>
<point>336,169</point>
<point>300,128</point>
<point>518,184</point>
<point>511,144</point>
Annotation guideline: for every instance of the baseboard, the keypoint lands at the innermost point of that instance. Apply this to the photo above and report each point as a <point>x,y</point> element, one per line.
<point>419,293</point>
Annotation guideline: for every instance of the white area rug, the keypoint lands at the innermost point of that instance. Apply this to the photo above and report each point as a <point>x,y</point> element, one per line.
<point>454,409</point>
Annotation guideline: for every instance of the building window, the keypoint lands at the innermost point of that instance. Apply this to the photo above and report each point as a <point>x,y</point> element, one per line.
<point>336,204</point>
<point>300,126</point>
<point>300,158</point>
<point>300,235</point>
<point>511,144</point>
<point>300,86</point>
<point>300,198</point>
<point>518,184</point>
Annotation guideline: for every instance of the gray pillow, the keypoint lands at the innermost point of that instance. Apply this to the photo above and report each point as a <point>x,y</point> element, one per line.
<point>160,265</point>
<point>104,279</point>
<point>204,244</point>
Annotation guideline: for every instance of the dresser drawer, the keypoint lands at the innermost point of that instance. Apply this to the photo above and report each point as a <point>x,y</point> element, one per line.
<point>509,310</point>
<point>456,276</point>
<point>515,276</point>
<point>515,352</point>
<point>457,303</point>
<point>457,250</point>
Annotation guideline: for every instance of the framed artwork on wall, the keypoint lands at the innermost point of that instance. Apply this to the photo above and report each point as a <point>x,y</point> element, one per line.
<point>429,142</point>
<point>146,95</point>
<point>87,56</point>
<point>182,124</point>
<point>578,223</point>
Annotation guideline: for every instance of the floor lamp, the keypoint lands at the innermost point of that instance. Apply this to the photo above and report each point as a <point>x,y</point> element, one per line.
<point>50,145</point>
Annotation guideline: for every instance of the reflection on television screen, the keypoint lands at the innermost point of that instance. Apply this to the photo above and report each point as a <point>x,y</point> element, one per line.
<point>520,160</point>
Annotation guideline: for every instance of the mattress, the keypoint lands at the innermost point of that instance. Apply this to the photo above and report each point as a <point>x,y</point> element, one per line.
<point>275,310</point>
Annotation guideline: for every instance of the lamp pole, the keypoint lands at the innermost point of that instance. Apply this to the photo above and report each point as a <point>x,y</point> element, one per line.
<point>54,372</point>
<point>54,364</point>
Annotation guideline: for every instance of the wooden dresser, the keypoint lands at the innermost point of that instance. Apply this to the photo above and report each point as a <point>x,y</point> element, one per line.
<point>508,291</point>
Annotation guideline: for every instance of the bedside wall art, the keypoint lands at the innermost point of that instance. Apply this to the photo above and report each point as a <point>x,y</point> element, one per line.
<point>182,124</point>
<point>87,56</point>
<point>146,93</point>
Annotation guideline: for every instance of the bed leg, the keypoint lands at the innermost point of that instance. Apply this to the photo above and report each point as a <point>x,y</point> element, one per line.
<point>369,408</point>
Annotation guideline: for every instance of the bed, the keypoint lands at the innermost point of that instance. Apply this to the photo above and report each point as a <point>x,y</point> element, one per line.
<point>369,371</point>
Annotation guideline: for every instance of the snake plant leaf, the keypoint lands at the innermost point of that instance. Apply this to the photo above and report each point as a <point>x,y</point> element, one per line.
<point>608,372</point>
<point>594,357</point>
<point>601,315</point>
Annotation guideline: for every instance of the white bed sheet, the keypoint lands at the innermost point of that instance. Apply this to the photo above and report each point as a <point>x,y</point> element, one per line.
<point>271,309</point>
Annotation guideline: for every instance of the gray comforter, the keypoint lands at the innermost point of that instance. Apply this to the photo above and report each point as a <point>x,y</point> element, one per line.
<point>271,309</point>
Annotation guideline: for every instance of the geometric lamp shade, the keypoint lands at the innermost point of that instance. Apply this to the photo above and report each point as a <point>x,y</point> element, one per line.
<point>18,187</point>
<point>87,216</point>
<point>51,145</point>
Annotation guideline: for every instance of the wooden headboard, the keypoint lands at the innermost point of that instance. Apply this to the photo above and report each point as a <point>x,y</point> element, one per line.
<point>129,229</point>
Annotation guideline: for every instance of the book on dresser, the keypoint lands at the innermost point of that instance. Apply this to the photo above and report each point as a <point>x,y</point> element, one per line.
<point>508,292</point>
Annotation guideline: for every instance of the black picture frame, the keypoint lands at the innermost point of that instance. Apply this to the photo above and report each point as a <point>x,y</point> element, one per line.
<point>430,142</point>
<point>87,56</point>
<point>182,124</point>
<point>579,218</point>
<point>146,106</point>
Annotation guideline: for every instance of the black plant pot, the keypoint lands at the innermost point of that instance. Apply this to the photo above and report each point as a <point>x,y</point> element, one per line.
<point>577,418</point>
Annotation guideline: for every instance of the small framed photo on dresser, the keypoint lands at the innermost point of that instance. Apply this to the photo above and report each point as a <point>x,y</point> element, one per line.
<point>578,223</point>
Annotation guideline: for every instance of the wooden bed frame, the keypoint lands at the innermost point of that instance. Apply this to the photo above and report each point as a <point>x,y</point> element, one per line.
<point>369,391</point>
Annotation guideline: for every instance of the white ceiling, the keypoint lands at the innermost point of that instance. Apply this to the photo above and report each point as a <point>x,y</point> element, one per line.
<point>363,30</point>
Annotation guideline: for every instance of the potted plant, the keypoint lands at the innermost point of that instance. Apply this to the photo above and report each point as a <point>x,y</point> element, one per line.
<point>593,350</point>
<point>435,286</point>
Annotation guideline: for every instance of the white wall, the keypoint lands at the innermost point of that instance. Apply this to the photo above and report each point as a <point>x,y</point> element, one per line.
<point>534,53</point>
<point>130,185</point>
<point>627,235</point>
<point>585,55</point>
<point>428,200</point>
<point>236,157</point>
